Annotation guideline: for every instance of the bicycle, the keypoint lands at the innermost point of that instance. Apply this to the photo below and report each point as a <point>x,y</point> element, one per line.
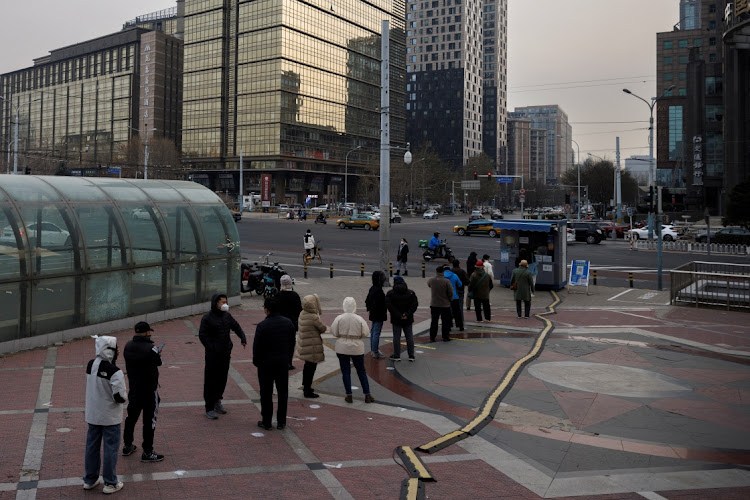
<point>308,257</point>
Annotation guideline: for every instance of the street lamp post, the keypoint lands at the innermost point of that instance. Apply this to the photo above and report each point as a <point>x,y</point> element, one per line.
<point>145,152</point>
<point>411,177</point>
<point>15,136</point>
<point>346,175</point>
<point>652,182</point>
<point>579,177</point>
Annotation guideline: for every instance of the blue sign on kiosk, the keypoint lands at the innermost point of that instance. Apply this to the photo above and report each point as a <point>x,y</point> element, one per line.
<point>579,274</point>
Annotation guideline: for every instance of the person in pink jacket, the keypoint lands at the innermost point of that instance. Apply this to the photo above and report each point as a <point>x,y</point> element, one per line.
<point>349,329</point>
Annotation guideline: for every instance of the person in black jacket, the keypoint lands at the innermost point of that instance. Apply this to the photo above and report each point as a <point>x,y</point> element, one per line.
<point>142,362</point>
<point>402,304</point>
<point>290,306</point>
<point>402,256</point>
<point>375,304</point>
<point>273,338</point>
<point>214,335</point>
<point>471,263</point>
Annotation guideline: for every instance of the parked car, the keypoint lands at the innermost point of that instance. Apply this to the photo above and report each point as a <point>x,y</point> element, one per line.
<point>703,237</point>
<point>668,233</point>
<point>430,214</point>
<point>620,228</point>
<point>481,226</point>
<point>236,215</point>
<point>51,235</point>
<point>588,232</point>
<point>140,214</point>
<point>496,215</point>
<point>395,216</point>
<point>570,235</point>
<point>362,221</point>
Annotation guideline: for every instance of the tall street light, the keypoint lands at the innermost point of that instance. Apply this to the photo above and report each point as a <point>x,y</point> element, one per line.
<point>346,175</point>
<point>411,177</point>
<point>579,174</point>
<point>145,151</point>
<point>15,136</point>
<point>652,166</point>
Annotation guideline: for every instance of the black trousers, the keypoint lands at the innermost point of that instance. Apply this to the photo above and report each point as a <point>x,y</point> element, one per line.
<point>527,307</point>
<point>480,304</point>
<point>147,403</point>
<point>215,377</point>
<point>308,373</point>
<point>268,376</point>
<point>458,311</point>
<point>444,314</point>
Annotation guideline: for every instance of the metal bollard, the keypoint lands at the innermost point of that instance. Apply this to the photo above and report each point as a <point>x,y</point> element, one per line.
<point>331,269</point>
<point>423,269</point>
<point>594,276</point>
<point>305,271</point>
<point>630,278</point>
<point>362,269</point>
<point>390,269</point>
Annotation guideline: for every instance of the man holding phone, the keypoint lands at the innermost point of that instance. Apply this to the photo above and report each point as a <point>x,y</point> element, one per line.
<point>142,362</point>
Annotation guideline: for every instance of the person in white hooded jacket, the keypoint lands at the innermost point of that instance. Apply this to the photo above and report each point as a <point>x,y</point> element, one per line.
<point>105,395</point>
<point>349,329</point>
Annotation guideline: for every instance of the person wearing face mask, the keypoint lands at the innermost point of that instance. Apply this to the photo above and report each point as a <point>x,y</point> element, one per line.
<point>105,395</point>
<point>402,256</point>
<point>214,335</point>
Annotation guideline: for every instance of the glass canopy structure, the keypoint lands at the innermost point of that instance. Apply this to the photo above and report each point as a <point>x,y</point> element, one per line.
<point>81,251</point>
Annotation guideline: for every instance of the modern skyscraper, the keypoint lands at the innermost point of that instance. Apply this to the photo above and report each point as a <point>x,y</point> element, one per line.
<point>689,138</point>
<point>445,59</point>
<point>552,121</point>
<point>495,80</point>
<point>294,86</point>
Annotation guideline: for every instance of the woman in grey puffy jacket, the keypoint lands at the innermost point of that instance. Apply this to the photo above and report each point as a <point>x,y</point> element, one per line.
<point>349,329</point>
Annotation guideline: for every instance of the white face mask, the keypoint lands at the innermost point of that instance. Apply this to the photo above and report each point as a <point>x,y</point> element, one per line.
<point>225,307</point>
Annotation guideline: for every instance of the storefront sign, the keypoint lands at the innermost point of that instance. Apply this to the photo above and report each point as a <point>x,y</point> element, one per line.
<point>697,160</point>
<point>265,190</point>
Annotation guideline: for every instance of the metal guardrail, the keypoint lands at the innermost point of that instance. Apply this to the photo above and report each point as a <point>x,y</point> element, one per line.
<point>690,246</point>
<point>711,284</point>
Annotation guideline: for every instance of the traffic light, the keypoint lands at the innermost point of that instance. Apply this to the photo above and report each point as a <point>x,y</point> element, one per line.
<point>489,176</point>
<point>475,176</point>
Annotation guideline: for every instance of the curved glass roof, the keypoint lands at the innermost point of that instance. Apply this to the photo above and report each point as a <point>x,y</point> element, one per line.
<point>79,251</point>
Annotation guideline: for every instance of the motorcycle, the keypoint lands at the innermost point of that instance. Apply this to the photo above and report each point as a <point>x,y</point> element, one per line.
<point>443,251</point>
<point>321,219</point>
<point>264,279</point>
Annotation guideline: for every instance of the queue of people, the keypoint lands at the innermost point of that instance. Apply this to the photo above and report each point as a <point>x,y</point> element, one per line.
<point>292,325</point>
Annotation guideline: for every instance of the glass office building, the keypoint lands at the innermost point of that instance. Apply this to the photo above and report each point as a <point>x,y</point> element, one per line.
<point>293,86</point>
<point>81,104</point>
<point>83,251</point>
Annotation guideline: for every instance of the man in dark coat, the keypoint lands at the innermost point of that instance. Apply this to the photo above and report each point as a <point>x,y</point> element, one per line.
<point>290,305</point>
<point>273,338</point>
<point>471,262</point>
<point>441,294</point>
<point>402,303</point>
<point>402,256</point>
<point>375,304</point>
<point>214,335</point>
<point>458,312</point>
<point>142,362</point>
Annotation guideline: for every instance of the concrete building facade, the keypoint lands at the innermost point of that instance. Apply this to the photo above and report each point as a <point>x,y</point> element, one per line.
<point>552,128</point>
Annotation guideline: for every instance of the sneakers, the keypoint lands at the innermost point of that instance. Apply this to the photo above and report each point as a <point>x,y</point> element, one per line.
<point>151,457</point>
<point>112,488</point>
<point>369,398</point>
<point>219,408</point>
<point>348,398</point>
<point>393,357</point>
<point>411,358</point>
<point>128,450</point>
<point>87,486</point>
<point>212,415</point>
<point>264,426</point>
<point>377,354</point>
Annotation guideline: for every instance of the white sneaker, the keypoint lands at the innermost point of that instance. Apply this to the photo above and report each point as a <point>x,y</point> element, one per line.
<point>112,488</point>
<point>93,485</point>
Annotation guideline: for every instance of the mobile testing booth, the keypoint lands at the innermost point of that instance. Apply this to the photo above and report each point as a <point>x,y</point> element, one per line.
<point>545,242</point>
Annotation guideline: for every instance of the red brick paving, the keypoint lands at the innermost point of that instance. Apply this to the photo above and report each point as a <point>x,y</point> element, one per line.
<point>20,389</point>
<point>14,432</point>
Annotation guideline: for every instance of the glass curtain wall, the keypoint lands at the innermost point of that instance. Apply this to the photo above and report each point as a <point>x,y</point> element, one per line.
<point>81,251</point>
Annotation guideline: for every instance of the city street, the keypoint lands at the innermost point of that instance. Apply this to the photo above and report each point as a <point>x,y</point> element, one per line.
<point>348,248</point>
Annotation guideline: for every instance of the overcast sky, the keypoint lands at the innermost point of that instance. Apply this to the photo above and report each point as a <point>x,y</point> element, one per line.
<point>578,54</point>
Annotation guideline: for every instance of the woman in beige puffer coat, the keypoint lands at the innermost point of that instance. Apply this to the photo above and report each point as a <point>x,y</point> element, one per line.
<point>349,329</point>
<point>309,343</point>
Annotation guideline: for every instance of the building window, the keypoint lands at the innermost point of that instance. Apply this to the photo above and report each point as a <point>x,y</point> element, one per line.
<point>712,41</point>
<point>675,132</point>
<point>683,59</point>
<point>711,57</point>
<point>714,113</point>
<point>668,61</point>
<point>697,42</point>
<point>682,44</point>
<point>682,76</point>
<point>682,91</point>
<point>667,77</point>
<point>714,85</point>
<point>668,44</point>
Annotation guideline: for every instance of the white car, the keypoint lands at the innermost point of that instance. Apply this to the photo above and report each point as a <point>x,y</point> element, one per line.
<point>51,234</point>
<point>668,233</point>
<point>140,214</point>
<point>430,214</point>
<point>570,236</point>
